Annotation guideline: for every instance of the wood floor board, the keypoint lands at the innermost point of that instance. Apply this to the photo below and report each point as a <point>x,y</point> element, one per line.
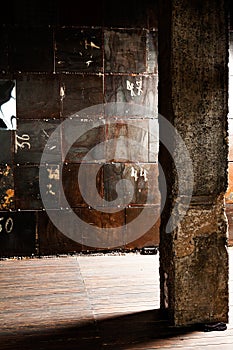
<point>97,302</point>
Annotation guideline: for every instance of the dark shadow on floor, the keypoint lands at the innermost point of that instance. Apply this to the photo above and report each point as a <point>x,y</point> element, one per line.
<point>121,332</point>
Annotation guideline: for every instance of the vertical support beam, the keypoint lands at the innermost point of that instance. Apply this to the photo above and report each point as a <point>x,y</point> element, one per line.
<point>193,92</point>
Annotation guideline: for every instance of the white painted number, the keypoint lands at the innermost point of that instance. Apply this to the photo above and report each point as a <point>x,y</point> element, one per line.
<point>22,142</point>
<point>8,226</point>
<point>1,224</point>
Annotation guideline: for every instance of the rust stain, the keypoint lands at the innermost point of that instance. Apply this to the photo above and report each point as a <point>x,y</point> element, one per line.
<point>8,198</point>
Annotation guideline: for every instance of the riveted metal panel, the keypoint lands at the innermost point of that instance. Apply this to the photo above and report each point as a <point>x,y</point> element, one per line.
<point>79,50</point>
<point>80,91</point>
<point>30,140</point>
<point>71,184</point>
<point>27,192</point>
<point>38,96</point>
<point>146,237</point>
<point>86,134</point>
<point>17,234</point>
<point>125,51</point>
<point>31,50</point>
<point>138,90</point>
<point>51,240</point>
<point>142,185</point>
<point>112,221</point>
<point>6,146</point>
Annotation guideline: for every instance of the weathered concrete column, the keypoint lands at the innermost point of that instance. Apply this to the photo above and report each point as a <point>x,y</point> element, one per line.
<point>193,97</point>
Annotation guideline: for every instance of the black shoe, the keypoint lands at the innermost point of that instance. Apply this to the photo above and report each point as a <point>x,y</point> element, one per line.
<point>219,326</point>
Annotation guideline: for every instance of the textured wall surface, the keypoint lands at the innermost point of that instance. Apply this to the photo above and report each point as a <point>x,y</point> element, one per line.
<point>193,96</point>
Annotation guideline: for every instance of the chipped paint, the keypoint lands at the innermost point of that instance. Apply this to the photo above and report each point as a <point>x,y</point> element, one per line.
<point>8,199</point>
<point>9,196</point>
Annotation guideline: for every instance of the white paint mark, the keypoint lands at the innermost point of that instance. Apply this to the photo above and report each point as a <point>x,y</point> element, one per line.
<point>62,92</point>
<point>93,45</point>
<point>143,173</point>
<point>134,173</point>
<point>139,87</point>
<point>9,224</point>
<point>53,174</point>
<point>131,86</point>
<point>46,134</point>
<point>88,63</point>
<point>50,191</point>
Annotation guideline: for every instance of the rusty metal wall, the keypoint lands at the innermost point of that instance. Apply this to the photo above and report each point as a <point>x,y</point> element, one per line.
<point>64,60</point>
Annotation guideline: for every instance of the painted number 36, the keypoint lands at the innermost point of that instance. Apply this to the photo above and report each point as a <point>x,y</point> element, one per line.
<point>6,226</point>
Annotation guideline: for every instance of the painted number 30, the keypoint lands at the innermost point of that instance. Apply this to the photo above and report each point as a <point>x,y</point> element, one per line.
<point>6,226</point>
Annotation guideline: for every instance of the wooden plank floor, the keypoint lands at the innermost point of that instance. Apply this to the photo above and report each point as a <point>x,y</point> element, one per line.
<point>93,302</point>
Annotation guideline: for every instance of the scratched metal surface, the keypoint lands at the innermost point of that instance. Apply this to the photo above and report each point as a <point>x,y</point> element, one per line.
<point>51,241</point>
<point>31,138</point>
<point>78,50</point>
<point>151,236</point>
<point>3,49</point>
<point>139,90</point>
<point>27,192</point>
<point>30,50</point>
<point>17,233</point>
<point>112,221</point>
<point>81,91</point>
<point>71,187</point>
<point>51,175</point>
<point>87,134</point>
<point>6,137</point>
<point>123,14</point>
<point>131,140</point>
<point>38,96</point>
<point>125,50</point>
<point>142,182</point>
<point>60,71</point>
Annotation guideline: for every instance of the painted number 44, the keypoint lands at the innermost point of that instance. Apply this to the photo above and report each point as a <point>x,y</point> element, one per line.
<point>6,225</point>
